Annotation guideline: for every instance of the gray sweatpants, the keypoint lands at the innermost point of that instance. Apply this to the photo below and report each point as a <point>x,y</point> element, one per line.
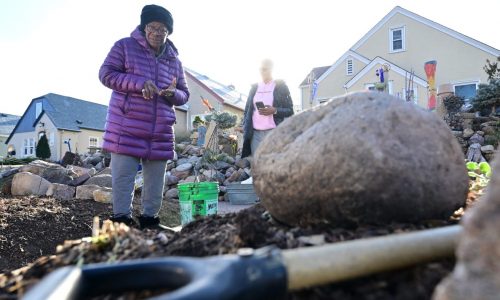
<point>124,170</point>
<point>257,137</point>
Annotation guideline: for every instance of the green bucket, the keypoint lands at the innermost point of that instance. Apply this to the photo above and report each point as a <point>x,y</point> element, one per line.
<point>198,199</point>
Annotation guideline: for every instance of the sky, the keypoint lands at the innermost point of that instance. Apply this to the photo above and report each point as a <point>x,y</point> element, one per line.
<point>57,46</point>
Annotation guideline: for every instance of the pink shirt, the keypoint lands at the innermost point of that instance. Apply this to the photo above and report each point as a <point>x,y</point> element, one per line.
<point>265,94</point>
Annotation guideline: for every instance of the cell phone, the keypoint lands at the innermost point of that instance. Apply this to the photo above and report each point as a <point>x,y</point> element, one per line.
<point>260,105</point>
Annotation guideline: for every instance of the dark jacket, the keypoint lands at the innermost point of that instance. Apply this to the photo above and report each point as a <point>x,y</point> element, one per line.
<point>134,126</point>
<point>282,102</point>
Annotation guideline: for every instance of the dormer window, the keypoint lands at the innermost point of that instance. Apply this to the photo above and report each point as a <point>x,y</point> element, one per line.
<point>348,67</point>
<point>397,39</point>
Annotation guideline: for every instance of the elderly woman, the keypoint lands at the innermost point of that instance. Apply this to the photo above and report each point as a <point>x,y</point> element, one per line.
<point>147,80</point>
<point>269,103</point>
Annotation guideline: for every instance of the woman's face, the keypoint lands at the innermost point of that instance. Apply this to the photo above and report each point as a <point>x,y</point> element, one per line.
<point>156,33</point>
<point>266,72</point>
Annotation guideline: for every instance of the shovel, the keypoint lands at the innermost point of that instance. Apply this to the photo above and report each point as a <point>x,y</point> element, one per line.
<point>266,273</point>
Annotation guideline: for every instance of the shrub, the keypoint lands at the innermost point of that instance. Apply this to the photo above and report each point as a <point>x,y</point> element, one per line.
<point>42,148</point>
<point>224,120</point>
<point>453,103</point>
<point>488,96</point>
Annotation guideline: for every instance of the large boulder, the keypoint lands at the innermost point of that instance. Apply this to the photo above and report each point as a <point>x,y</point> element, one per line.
<point>61,191</point>
<point>477,271</point>
<point>85,192</point>
<point>103,180</point>
<point>52,172</point>
<point>26,184</point>
<point>103,195</point>
<point>362,158</point>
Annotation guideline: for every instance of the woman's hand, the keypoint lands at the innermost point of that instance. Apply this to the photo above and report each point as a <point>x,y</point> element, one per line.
<point>267,111</point>
<point>170,91</point>
<point>149,90</point>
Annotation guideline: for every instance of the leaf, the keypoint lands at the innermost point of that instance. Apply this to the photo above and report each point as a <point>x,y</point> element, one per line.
<point>472,174</point>
<point>485,167</point>
<point>472,166</point>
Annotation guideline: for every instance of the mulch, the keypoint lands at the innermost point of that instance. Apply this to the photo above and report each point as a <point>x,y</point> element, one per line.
<point>218,235</point>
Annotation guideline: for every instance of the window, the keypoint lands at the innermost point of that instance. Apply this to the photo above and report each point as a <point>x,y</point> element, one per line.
<point>348,67</point>
<point>93,141</point>
<point>29,147</point>
<point>466,90</point>
<point>38,109</point>
<point>397,39</point>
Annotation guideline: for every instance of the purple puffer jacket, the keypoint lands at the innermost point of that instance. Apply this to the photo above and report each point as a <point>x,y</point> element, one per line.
<point>135,126</point>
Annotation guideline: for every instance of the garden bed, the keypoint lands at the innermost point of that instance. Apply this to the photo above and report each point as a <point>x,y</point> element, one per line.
<point>219,235</point>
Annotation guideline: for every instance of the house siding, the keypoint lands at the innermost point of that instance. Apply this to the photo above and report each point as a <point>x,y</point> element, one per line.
<point>398,84</point>
<point>456,60</point>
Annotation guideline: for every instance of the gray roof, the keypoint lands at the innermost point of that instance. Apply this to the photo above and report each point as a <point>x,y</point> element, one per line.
<point>7,123</point>
<point>75,114</point>
<point>314,74</point>
<point>228,94</point>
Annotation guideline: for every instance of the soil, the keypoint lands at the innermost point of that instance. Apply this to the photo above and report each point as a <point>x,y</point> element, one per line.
<point>217,235</point>
<point>24,220</point>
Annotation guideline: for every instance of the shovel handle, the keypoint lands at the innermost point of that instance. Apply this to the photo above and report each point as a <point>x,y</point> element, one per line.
<point>307,267</point>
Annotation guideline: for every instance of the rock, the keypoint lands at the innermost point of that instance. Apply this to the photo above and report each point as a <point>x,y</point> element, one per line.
<point>481,133</point>
<point>474,153</point>
<point>172,194</point>
<point>230,160</point>
<point>248,171</point>
<point>194,160</point>
<point>194,151</point>
<point>80,171</point>
<point>26,184</point>
<point>234,177</point>
<point>54,173</point>
<point>99,166</point>
<point>180,147</point>
<point>170,165</point>
<point>476,139</point>
<point>105,171</point>
<point>457,133</point>
<point>468,133</point>
<point>229,172</point>
<point>182,161</point>
<point>103,195</point>
<point>85,192</point>
<point>477,271</point>
<point>377,160</point>
<point>188,179</point>
<point>95,159</point>
<point>487,149</point>
<point>103,180</point>
<point>181,175</point>
<point>243,175</point>
<point>222,165</point>
<point>61,191</point>
<point>9,173</point>
<point>222,189</point>
<point>79,180</point>
<point>171,180</point>
<point>242,163</point>
<point>184,167</point>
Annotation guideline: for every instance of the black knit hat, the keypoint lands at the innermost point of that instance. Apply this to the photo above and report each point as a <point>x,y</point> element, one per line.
<point>151,13</point>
